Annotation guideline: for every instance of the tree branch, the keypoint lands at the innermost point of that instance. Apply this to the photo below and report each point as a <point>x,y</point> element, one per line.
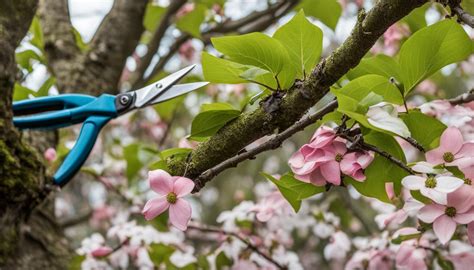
<point>155,41</point>
<point>271,144</point>
<point>251,126</point>
<point>457,10</point>
<point>359,143</point>
<point>464,98</point>
<point>240,238</point>
<point>59,42</point>
<point>256,21</point>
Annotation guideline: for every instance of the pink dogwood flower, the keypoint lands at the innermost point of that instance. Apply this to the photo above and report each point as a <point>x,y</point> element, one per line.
<point>271,205</point>
<point>353,164</point>
<point>445,218</point>
<point>319,165</point>
<point>434,187</point>
<point>171,189</point>
<point>101,251</point>
<point>409,255</point>
<point>50,154</point>
<point>452,150</point>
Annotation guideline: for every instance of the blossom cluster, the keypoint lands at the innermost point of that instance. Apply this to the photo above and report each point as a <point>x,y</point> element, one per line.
<point>322,160</point>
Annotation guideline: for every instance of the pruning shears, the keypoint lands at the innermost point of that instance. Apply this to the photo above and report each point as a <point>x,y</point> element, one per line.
<point>60,111</point>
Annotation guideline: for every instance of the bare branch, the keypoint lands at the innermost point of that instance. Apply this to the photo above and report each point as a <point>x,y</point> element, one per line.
<point>457,10</point>
<point>359,143</point>
<point>155,41</point>
<point>464,98</point>
<point>240,238</point>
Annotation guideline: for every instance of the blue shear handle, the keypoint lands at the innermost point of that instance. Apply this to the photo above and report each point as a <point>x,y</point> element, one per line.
<point>81,150</point>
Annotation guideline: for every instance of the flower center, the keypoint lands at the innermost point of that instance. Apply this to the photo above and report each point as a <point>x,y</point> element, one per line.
<point>450,211</point>
<point>467,181</point>
<point>430,182</point>
<point>171,197</point>
<point>338,157</point>
<point>448,157</point>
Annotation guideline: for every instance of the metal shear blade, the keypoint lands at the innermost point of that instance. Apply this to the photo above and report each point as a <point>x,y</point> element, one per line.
<point>177,90</point>
<point>151,92</point>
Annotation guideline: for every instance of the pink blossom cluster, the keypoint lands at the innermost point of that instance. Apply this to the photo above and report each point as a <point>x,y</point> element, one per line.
<point>452,197</point>
<point>322,160</point>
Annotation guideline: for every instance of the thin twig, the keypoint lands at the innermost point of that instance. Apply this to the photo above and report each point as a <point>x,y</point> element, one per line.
<point>365,146</point>
<point>273,143</point>
<point>256,21</point>
<point>241,238</point>
<point>464,98</point>
<point>76,220</point>
<point>456,9</point>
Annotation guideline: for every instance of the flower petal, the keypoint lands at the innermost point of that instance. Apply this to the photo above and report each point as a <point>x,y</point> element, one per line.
<point>436,196</point>
<point>180,214</point>
<point>155,207</point>
<point>448,184</point>
<point>464,218</point>
<point>435,156</point>
<point>466,150</point>
<point>331,172</point>
<point>160,181</point>
<point>444,228</point>
<point>424,167</point>
<point>451,140</point>
<point>183,186</point>
<point>462,199</point>
<point>316,178</point>
<point>470,232</point>
<point>430,212</point>
<point>413,182</point>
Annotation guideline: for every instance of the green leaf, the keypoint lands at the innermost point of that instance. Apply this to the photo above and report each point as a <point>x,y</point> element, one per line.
<point>381,170</point>
<point>44,89</point>
<point>294,190</point>
<point>303,41</point>
<point>259,50</point>
<point>137,155</point>
<point>24,59</point>
<point>21,92</point>
<point>76,262</point>
<point>380,64</point>
<point>218,70</point>
<point>401,238</point>
<point>444,263</point>
<point>222,261</point>
<point>83,47</point>
<point>416,20</point>
<point>327,11</point>
<point>360,87</point>
<point>426,130</point>
<point>37,39</point>
<point>160,253</point>
<point>191,22</point>
<point>432,48</point>
<point>152,16</point>
<point>211,119</point>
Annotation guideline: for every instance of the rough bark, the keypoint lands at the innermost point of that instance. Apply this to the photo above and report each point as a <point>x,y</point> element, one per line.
<point>250,126</point>
<point>22,175</point>
<point>98,69</point>
<point>30,238</point>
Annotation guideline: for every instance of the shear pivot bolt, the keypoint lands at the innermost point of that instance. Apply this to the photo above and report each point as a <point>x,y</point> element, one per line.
<point>159,85</point>
<point>124,100</point>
